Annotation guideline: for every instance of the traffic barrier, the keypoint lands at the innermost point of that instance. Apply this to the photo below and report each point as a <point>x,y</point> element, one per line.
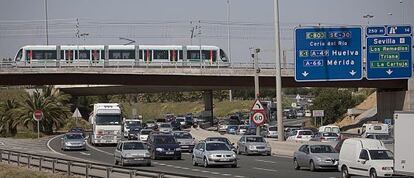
<point>81,168</point>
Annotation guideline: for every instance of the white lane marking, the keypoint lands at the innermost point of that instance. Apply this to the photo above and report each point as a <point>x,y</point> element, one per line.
<point>197,170</point>
<point>226,174</point>
<point>185,168</point>
<point>96,149</point>
<point>204,171</point>
<point>83,153</point>
<point>263,169</point>
<point>216,173</point>
<point>239,176</point>
<point>265,161</point>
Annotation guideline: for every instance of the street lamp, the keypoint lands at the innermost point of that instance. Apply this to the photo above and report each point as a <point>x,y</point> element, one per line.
<point>368,17</point>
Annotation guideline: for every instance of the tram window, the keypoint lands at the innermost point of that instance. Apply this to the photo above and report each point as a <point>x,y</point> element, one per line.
<point>173,55</point>
<point>62,54</point>
<point>19,55</point>
<point>223,56</point>
<point>83,54</point>
<point>69,55</point>
<point>43,54</point>
<point>114,54</point>
<point>193,54</point>
<point>209,55</point>
<point>180,54</point>
<point>147,55</point>
<point>160,54</point>
<point>102,54</point>
<point>95,54</point>
<point>128,54</point>
<point>140,54</point>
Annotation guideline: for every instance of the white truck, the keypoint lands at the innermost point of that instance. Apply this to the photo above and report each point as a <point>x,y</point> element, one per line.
<point>403,146</point>
<point>106,121</point>
<point>374,128</point>
<point>130,123</point>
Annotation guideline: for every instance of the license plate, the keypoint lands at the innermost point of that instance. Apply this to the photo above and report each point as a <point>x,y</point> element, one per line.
<point>225,159</point>
<point>138,159</point>
<point>169,153</point>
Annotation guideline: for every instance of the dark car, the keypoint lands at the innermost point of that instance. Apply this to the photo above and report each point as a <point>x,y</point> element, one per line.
<point>234,120</point>
<point>176,125</point>
<point>77,130</point>
<point>189,121</point>
<point>163,145</point>
<point>133,133</point>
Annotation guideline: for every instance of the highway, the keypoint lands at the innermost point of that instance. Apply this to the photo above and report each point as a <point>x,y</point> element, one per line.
<point>249,166</point>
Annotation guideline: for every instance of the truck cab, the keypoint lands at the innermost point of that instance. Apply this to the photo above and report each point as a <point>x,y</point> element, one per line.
<point>106,123</point>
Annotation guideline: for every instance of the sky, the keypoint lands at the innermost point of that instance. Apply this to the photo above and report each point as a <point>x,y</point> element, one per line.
<point>169,22</point>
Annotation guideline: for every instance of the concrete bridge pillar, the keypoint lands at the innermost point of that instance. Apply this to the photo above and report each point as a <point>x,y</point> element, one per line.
<point>208,106</point>
<point>388,102</point>
<point>409,97</point>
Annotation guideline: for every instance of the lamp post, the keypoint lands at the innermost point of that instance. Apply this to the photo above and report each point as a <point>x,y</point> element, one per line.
<point>280,127</point>
<point>368,17</point>
<point>47,25</point>
<point>228,41</point>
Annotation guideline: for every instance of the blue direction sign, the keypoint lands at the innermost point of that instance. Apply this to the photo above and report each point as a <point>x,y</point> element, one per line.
<point>389,56</point>
<point>328,53</point>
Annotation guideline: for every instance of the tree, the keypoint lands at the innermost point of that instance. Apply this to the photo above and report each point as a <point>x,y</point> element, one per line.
<point>334,102</point>
<point>53,104</point>
<point>8,121</point>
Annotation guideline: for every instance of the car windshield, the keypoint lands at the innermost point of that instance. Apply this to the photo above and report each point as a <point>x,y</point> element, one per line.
<point>232,127</point>
<point>217,146</point>
<point>244,127</point>
<point>219,139</point>
<point>272,128</point>
<point>254,139</point>
<point>74,136</point>
<point>330,135</point>
<point>183,135</point>
<point>164,140</point>
<point>306,132</point>
<point>134,146</point>
<point>76,130</point>
<point>145,132</point>
<point>382,137</point>
<point>179,120</point>
<point>381,154</point>
<point>108,119</point>
<point>133,124</point>
<point>322,149</point>
<point>136,129</point>
<point>165,125</point>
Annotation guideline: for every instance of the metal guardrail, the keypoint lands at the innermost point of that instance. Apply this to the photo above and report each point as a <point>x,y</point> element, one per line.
<point>134,64</point>
<point>82,168</point>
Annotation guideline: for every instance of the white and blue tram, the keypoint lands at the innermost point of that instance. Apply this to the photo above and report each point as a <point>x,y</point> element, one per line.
<point>120,55</point>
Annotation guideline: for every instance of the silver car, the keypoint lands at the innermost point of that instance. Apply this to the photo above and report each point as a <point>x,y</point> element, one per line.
<point>316,156</point>
<point>143,134</point>
<point>185,140</point>
<point>132,152</point>
<point>165,127</point>
<point>210,153</point>
<point>73,141</point>
<point>252,144</point>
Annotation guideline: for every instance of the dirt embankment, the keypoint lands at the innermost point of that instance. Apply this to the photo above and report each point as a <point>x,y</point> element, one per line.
<point>368,103</point>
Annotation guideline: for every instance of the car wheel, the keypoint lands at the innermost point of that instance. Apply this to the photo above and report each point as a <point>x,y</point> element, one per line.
<point>122,161</point>
<point>312,166</point>
<point>345,173</point>
<point>234,165</point>
<point>194,161</point>
<point>296,164</point>
<point>373,173</point>
<point>115,161</point>
<point>205,163</point>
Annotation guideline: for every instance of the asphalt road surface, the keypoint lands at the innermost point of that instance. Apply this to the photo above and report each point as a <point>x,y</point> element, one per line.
<point>248,166</point>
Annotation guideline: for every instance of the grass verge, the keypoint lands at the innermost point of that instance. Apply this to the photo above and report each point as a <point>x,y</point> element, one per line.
<point>11,171</point>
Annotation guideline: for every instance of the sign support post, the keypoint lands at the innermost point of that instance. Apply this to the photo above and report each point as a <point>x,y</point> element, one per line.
<point>38,115</point>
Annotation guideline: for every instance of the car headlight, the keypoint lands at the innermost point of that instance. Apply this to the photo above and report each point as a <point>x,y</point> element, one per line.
<point>318,159</point>
<point>210,156</point>
<point>128,155</point>
<point>268,145</point>
<point>233,155</point>
<point>147,155</point>
<point>68,143</point>
<point>159,149</point>
<point>83,143</point>
<point>252,147</point>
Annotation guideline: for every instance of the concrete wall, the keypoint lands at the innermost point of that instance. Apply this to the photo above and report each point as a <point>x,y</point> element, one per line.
<point>409,96</point>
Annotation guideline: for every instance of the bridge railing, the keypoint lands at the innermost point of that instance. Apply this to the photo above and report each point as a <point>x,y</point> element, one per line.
<point>138,64</point>
<point>81,168</point>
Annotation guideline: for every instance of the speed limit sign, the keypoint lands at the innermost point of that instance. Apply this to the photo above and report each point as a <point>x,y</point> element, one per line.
<point>258,118</point>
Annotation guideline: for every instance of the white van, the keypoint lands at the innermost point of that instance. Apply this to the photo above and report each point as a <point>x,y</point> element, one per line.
<point>365,157</point>
<point>375,128</point>
<point>329,128</point>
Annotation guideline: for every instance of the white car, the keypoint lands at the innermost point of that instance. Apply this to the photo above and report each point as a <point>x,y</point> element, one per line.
<point>241,129</point>
<point>143,134</point>
<point>271,132</point>
<point>301,135</point>
<point>165,127</point>
<point>365,157</point>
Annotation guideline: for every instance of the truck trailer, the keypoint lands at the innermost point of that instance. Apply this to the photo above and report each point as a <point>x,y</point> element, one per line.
<point>403,146</point>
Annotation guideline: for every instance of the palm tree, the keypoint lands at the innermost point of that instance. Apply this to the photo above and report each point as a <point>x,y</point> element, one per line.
<point>53,105</point>
<point>8,121</point>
